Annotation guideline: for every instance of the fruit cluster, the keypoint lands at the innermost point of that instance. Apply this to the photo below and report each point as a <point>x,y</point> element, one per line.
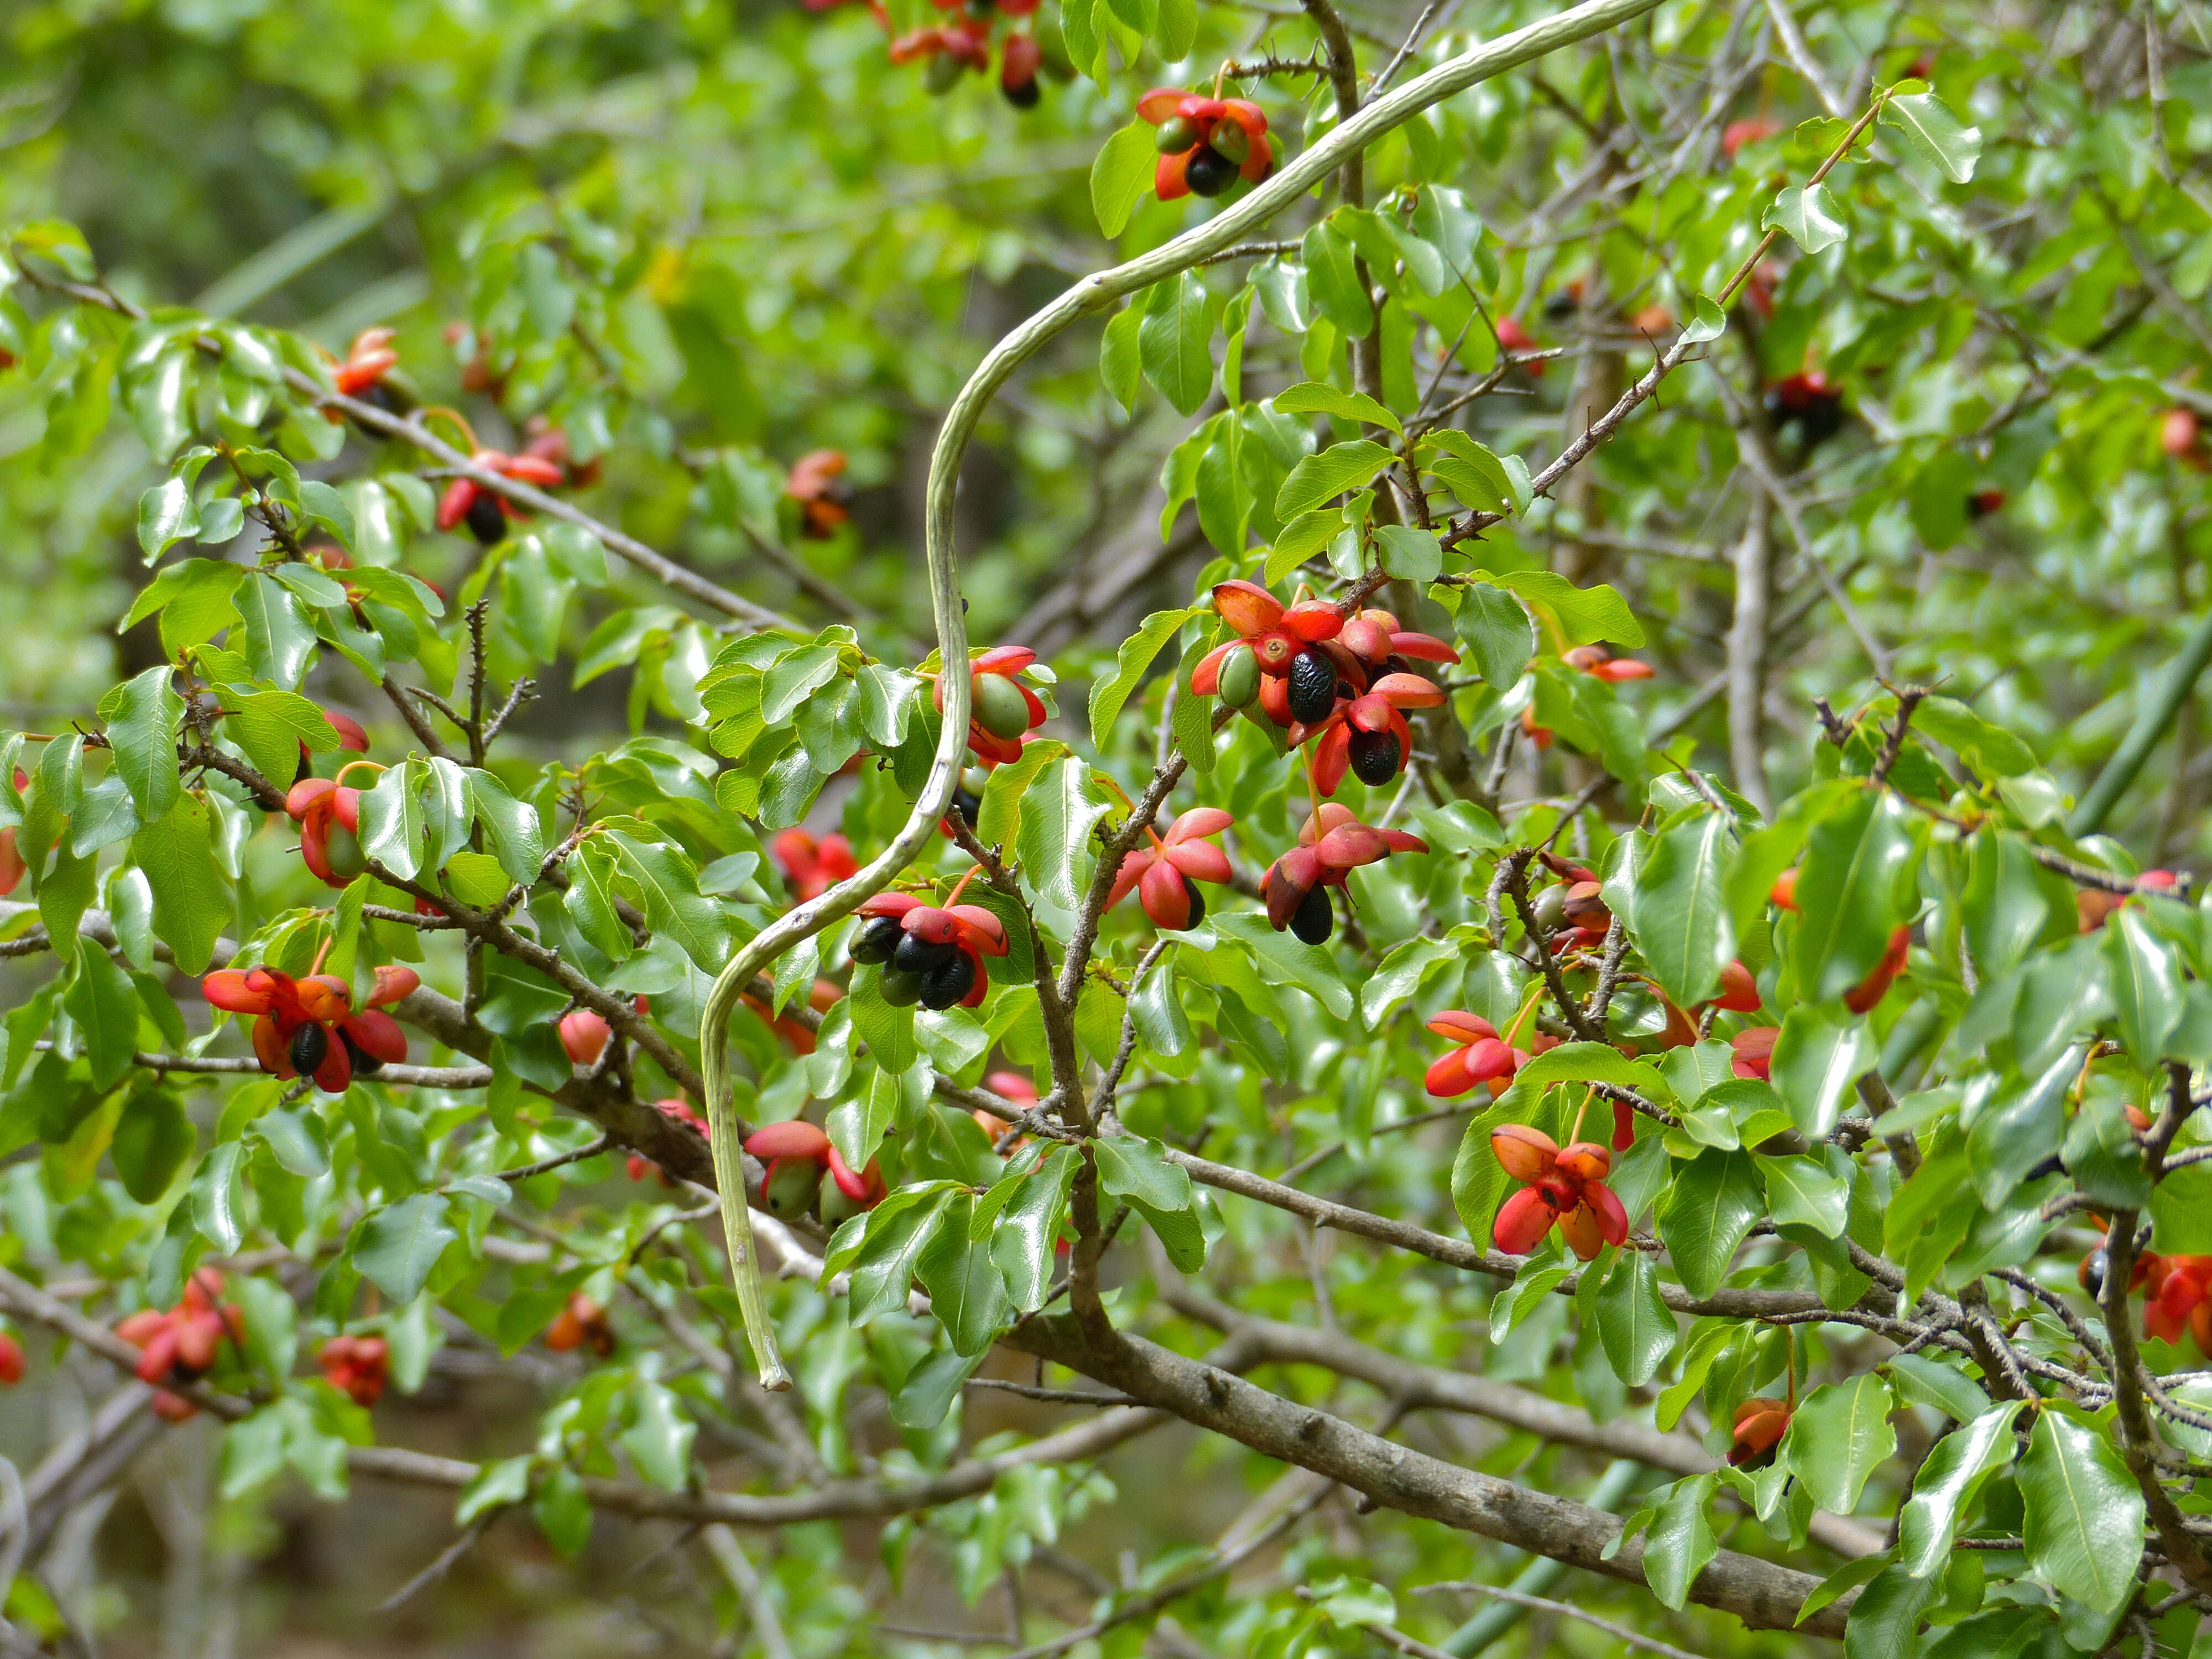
<point>1760,1422</point>
<point>582,1324</point>
<point>811,867</point>
<point>1563,1185</point>
<point>804,1174</point>
<point>356,1366</point>
<point>817,486</point>
<point>930,954</point>
<point>1313,673</point>
<point>486,512</point>
<point>952,49</point>
<point>1206,145</point>
<point>1162,875</point>
<point>179,1344</point>
<point>1331,844</point>
<point>309,1027</point>
<point>1001,707</point>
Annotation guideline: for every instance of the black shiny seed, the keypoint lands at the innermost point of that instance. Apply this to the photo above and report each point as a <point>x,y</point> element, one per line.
<point>901,990</point>
<point>969,807</point>
<point>1208,172</point>
<point>943,987</point>
<point>919,955</point>
<point>1375,756</point>
<point>364,1063</point>
<point>1197,903</point>
<point>1313,687</point>
<point>877,937</point>
<point>487,521</point>
<point>1313,921</point>
<point>311,1044</point>
<point>1022,95</point>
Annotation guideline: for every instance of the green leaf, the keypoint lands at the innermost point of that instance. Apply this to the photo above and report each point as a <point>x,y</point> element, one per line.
<point>1586,616</point>
<point>143,732</point>
<point>154,1140</point>
<point>2084,1515</point>
<point>674,906</point>
<point>104,1003</point>
<point>496,1485</point>
<point>1409,554</point>
<point>1317,397</point>
<point>967,1291</point>
<point>1707,1213</point>
<point>1120,175</point>
<point>791,679</point>
<point>1355,1603</point>
<point>1707,322</point>
<point>1679,1543</point>
<point>1333,472</point>
<point>1057,812</point>
<point>392,823</point>
<point>898,1230</point>
<point>659,1435</point>
<point>1497,633</point>
<point>1119,364</point>
<point>1332,281</point>
<point>1474,473</point>
<point>1946,1484</point>
<point>1173,343</point>
<point>517,837</point>
<point>1130,1170</point>
<point>1633,1325</point>
<point>166,517</point>
<point>192,897</point>
<point>1284,960</point>
<point>1839,1435</point>
<point>193,599</point>
<point>926,1398</point>
<point>1801,1192</point>
<point>1810,215</point>
<point>1931,130</point>
<point>1109,696</point>
<point>1028,1229</point>
<point>1681,921</point>
<point>2146,982</point>
<point>396,1248</point>
<point>1821,1055</point>
<point>1848,892</point>
<point>1591,1062</point>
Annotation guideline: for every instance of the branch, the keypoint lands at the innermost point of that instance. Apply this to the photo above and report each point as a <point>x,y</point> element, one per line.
<point>1764,1595</point>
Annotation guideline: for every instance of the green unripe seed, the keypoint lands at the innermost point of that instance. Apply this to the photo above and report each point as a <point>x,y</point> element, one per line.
<point>790,1190</point>
<point>341,852</point>
<point>1000,708</point>
<point>901,989</point>
<point>1177,134</point>
<point>832,1205</point>
<point>942,73</point>
<point>1230,141</point>
<point>1551,908</point>
<point>976,778</point>
<point>1239,676</point>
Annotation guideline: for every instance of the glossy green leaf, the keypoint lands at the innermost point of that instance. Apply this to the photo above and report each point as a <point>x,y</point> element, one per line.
<point>2084,1522</point>
<point>1837,1437</point>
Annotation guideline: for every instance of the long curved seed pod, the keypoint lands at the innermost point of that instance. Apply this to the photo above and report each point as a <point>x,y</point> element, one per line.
<point>1093,293</point>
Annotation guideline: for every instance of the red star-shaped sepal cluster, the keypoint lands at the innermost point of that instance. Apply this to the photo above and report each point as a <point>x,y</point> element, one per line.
<point>1206,145</point>
<point>1331,844</point>
<point>329,816</point>
<point>930,954</point>
<point>485,512</point>
<point>1564,1185</point>
<point>811,867</point>
<point>1001,708</point>
<point>309,1026</point>
<point>367,361</point>
<point>1760,1422</point>
<point>1162,874</point>
<point>1482,1057</point>
<point>179,1344</point>
<point>356,1366</point>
